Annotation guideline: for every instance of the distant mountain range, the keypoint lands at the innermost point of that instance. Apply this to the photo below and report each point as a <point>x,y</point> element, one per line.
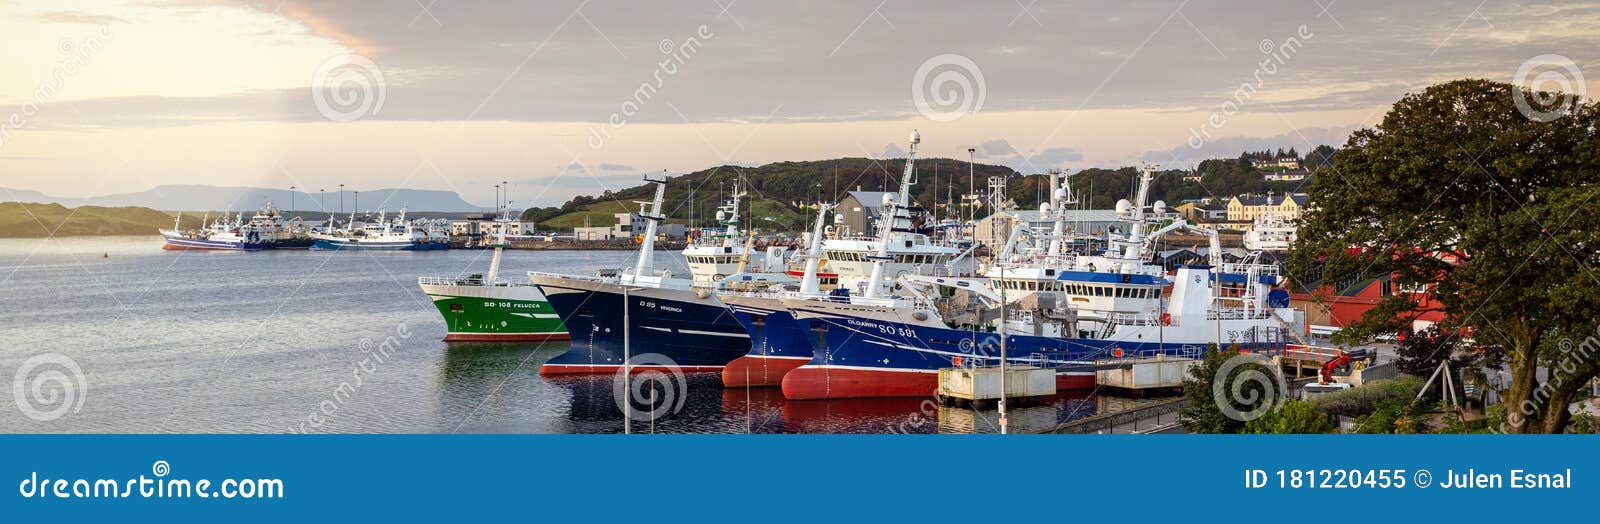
<point>220,198</point>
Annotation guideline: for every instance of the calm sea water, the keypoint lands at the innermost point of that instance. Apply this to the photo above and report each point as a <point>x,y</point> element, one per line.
<point>115,335</point>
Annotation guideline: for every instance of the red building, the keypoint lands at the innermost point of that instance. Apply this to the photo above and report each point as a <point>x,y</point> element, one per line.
<point>1339,307</point>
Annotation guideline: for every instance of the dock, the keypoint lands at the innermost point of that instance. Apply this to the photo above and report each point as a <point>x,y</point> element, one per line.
<point>980,386</point>
<point>1159,416</point>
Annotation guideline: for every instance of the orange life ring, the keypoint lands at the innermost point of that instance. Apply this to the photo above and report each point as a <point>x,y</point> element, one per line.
<point>956,361</point>
<point>1117,353</point>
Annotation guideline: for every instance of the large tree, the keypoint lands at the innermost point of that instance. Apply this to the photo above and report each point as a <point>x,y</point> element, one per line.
<point>1495,212</point>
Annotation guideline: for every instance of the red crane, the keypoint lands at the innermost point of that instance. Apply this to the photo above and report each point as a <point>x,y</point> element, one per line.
<point>1344,359</point>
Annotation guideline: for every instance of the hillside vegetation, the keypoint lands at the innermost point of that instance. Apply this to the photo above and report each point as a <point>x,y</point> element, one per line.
<point>778,190</point>
<point>29,220</point>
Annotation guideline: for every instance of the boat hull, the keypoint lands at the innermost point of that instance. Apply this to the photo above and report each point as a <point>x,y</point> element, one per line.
<point>854,357</point>
<point>778,342</point>
<point>478,313</point>
<point>322,244</point>
<point>182,243</point>
<point>671,328</point>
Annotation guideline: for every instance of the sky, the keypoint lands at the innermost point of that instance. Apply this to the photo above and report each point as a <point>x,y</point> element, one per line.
<point>566,97</point>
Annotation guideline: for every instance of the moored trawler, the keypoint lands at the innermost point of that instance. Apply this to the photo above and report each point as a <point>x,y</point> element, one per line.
<point>618,315</point>
<point>1101,306</point>
<point>221,235</point>
<point>382,235</point>
<point>778,342</point>
<point>479,308</point>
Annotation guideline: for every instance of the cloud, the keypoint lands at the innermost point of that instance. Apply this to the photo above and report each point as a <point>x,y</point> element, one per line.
<point>892,150</point>
<point>75,17</point>
<point>1000,151</point>
<point>473,64</point>
<point>1303,140</point>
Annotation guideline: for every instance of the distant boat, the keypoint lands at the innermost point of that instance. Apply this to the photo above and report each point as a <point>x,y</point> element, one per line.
<point>1270,233</point>
<point>278,232</point>
<point>221,235</point>
<point>385,235</point>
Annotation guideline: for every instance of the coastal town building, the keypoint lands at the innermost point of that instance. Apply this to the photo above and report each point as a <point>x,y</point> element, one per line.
<point>1244,208</point>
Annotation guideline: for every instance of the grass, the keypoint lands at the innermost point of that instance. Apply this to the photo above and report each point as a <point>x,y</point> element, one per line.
<point>29,220</point>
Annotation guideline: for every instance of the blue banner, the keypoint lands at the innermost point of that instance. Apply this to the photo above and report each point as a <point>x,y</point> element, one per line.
<point>810,478</point>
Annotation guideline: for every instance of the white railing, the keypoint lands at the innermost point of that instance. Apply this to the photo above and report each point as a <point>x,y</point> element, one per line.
<point>461,281</point>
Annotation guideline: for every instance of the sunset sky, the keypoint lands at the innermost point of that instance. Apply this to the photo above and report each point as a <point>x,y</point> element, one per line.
<point>111,96</point>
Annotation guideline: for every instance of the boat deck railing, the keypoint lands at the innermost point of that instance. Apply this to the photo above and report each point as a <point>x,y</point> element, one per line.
<point>462,281</point>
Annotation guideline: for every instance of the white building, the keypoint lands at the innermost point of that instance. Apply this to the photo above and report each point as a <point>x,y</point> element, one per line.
<point>994,230</point>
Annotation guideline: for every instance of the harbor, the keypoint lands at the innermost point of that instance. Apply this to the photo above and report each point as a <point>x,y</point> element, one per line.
<point>289,342</point>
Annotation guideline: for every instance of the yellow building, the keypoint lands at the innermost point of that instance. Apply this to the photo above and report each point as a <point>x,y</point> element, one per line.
<point>1249,207</point>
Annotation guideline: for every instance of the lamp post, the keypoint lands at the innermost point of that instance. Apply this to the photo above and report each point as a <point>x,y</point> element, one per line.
<point>972,182</point>
<point>291,198</point>
<point>341,199</point>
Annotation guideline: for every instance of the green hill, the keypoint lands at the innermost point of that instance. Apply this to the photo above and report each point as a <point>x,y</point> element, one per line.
<point>777,190</point>
<point>29,220</point>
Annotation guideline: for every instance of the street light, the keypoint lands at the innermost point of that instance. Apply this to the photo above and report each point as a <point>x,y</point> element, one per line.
<point>291,199</point>
<point>341,199</point>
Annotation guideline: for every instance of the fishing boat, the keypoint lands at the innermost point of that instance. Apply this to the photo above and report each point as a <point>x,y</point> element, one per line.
<point>382,235</point>
<point>1095,307</point>
<point>484,307</point>
<point>1270,233</point>
<point>780,342</point>
<point>726,249</point>
<point>641,311</point>
<point>221,235</point>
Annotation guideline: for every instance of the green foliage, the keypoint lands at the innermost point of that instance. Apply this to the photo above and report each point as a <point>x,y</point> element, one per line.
<point>1202,412</point>
<point>1457,188</point>
<point>780,186</point>
<point>1420,353</point>
<point>1583,424</point>
<point>29,220</point>
<point>1369,397</point>
<point>1296,416</point>
<point>576,219</point>
<point>1391,416</point>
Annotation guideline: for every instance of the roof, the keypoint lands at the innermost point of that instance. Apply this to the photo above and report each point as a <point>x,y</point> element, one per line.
<point>1300,199</point>
<point>869,199</point>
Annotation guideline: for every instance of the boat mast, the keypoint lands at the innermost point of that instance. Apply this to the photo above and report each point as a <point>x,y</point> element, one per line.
<point>891,219</point>
<point>647,245</point>
<point>499,245</point>
<point>809,286</point>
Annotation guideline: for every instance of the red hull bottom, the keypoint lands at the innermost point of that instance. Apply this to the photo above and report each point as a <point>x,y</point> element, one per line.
<point>752,370</point>
<point>505,337</point>
<point>808,383</point>
<point>570,369</point>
